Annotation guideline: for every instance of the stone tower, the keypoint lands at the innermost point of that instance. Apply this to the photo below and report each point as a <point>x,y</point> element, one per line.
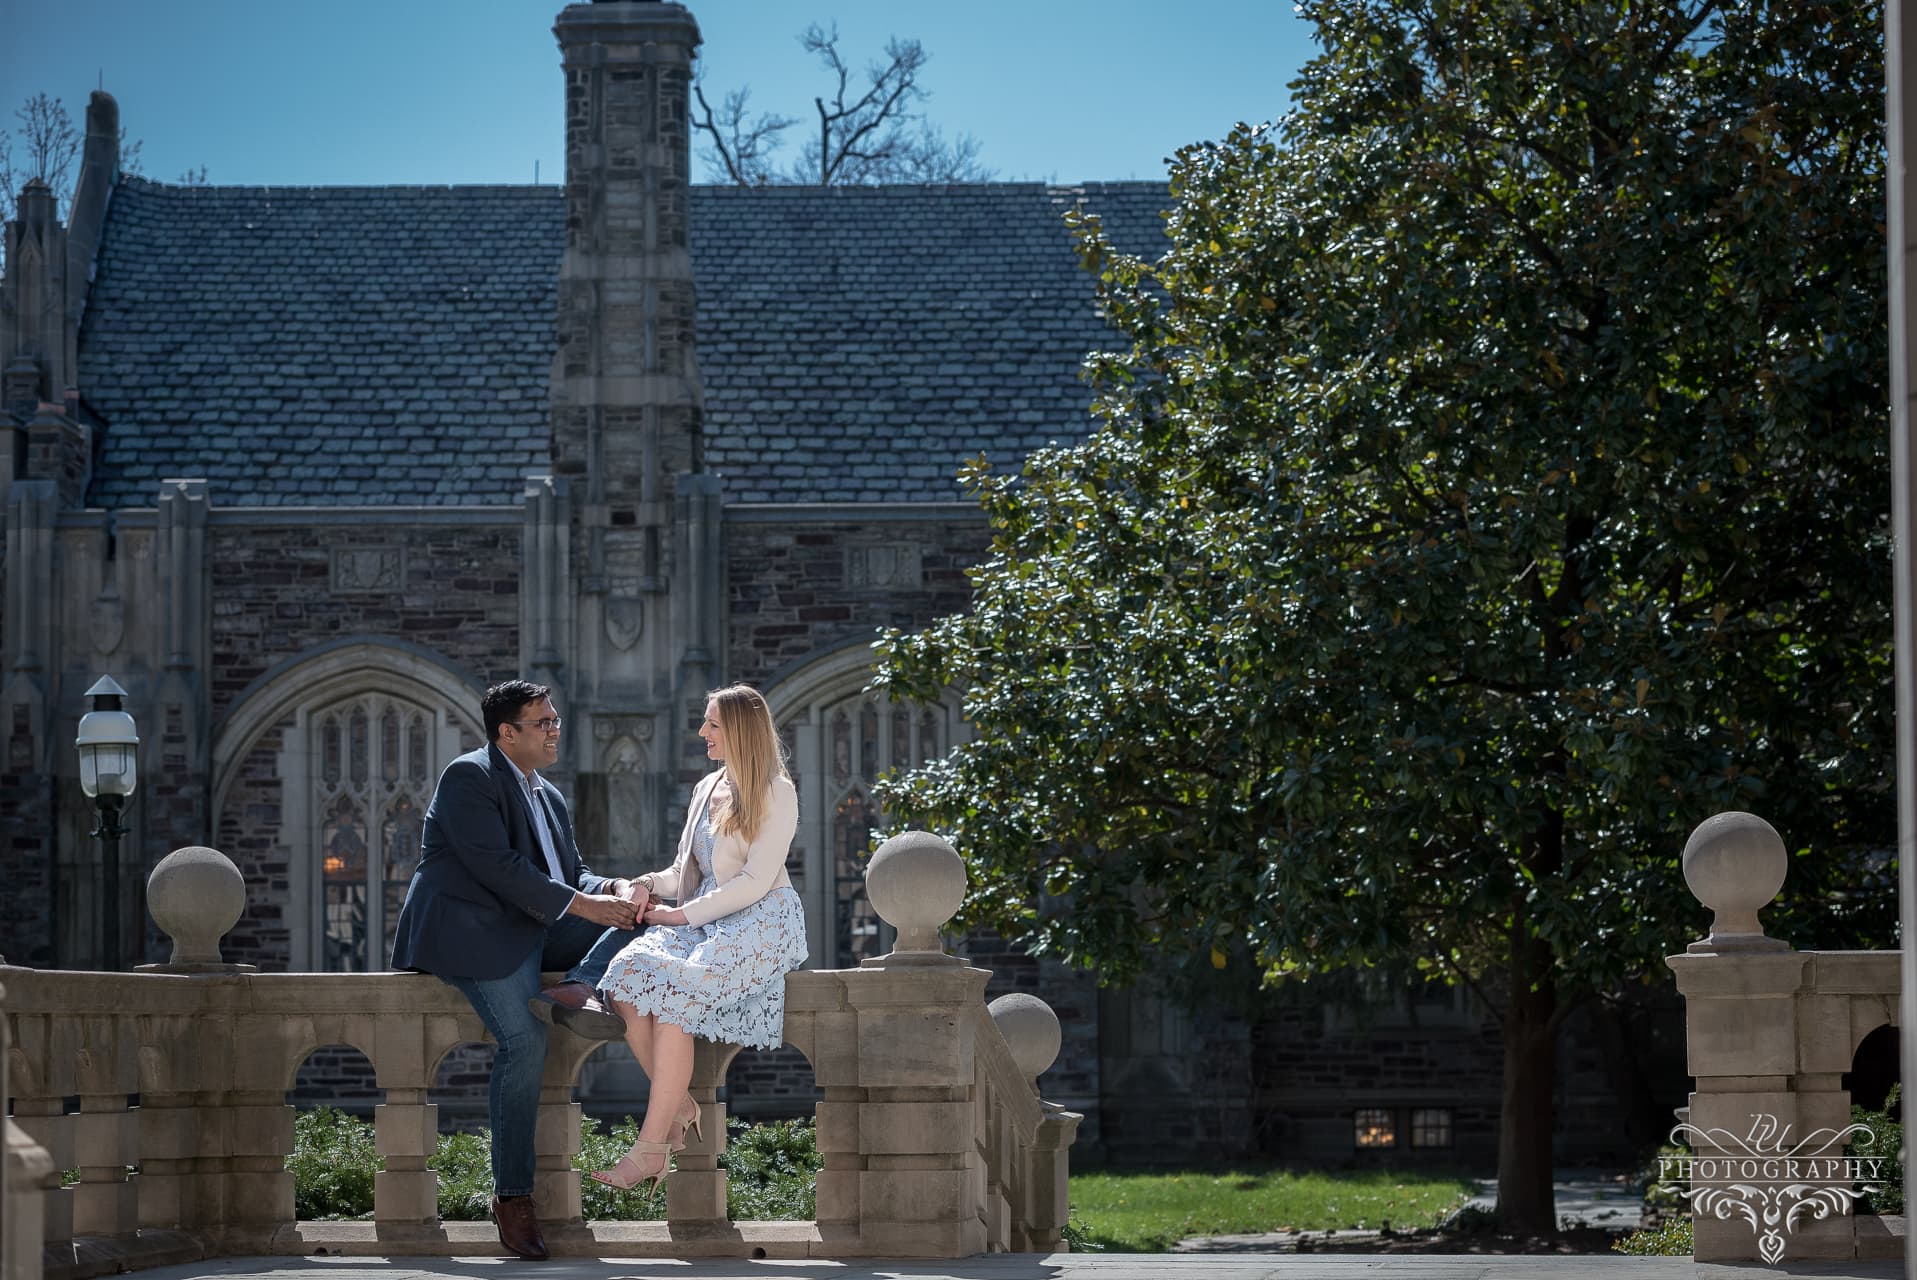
<point>623,538</point>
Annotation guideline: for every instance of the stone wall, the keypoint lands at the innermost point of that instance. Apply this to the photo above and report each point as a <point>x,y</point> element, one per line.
<point>26,798</point>
<point>280,590</point>
<point>800,584</point>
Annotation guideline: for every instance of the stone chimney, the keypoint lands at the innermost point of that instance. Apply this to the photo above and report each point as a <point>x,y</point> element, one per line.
<point>628,526</point>
<point>625,388</point>
<point>92,192</point>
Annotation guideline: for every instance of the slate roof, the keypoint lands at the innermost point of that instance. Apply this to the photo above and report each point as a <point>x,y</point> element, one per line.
<point>379,345</point>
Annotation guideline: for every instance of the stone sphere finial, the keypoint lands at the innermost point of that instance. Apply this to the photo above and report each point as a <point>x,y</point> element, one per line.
<point>1031,1031</point>
<point>1734,864</point>
<point>916,882</point>
<point>196,895</point>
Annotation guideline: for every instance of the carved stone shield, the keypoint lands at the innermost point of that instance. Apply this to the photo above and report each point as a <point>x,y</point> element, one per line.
<point>625,619</point>
<point>109,623</point>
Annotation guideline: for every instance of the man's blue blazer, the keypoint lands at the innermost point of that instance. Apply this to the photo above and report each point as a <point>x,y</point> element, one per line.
<point>481,898</point>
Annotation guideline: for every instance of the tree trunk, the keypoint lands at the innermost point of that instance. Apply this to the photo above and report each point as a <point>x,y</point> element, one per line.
<point>1525,1200</point>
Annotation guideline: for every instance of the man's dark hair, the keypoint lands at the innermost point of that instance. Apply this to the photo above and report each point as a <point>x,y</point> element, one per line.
<point>503,701</point>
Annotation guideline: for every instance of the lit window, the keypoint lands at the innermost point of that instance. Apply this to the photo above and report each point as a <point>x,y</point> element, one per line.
<point>1374,1127</point>
<point>1431,1127</point>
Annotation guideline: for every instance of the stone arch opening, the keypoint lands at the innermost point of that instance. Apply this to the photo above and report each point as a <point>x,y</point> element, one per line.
<point>611,1085</point>
<point>769,1084</point>
<point>337,1075</point>
<point>1874,1068</point>
<point>771,1158</point>
<point>334,1092</point>
<point>459,1085</point>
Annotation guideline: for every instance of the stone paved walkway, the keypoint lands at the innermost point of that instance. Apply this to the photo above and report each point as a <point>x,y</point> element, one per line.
<point>1002,1266</point>
<point>1585,1197</point>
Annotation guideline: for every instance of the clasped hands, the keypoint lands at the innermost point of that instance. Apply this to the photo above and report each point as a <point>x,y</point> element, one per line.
<point>624,908</point>
<point>653,910</point>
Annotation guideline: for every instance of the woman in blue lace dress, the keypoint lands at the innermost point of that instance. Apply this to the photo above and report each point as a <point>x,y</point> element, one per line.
<point>715,965</point>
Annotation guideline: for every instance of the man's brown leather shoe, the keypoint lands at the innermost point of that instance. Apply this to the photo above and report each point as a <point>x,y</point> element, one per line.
<point>592,1020</point>
<point>519,1227</point>
<point>568,995</point>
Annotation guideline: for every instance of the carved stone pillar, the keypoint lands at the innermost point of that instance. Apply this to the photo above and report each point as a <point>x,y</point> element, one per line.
<point>628,407</point>
<point>178,750</point>
<point>27,767</point>
<point>1755,1105</point>
<point>545,589</point>
<point>32,295</point>
<point>28,634</point>
<point>60,450</point>
<point>701,513</point>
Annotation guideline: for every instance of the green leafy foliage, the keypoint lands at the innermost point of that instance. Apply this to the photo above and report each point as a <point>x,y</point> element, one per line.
<point>1661,1195</point>
<point>332,1164</point>
<point>1670,1238</point>
<point>464,1163</point>
<point>1489,485</point>
<point>770,1170</point>
<point>1886,1143</point>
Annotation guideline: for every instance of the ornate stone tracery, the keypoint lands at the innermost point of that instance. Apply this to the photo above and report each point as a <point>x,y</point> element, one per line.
<point>841,740</point>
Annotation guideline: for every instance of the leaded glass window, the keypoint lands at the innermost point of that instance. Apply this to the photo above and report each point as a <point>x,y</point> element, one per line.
<point>377,759</point>
<point>841,741</point>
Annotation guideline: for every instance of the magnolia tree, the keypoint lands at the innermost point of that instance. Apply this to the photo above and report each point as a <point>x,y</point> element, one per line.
<point>1489,484</point>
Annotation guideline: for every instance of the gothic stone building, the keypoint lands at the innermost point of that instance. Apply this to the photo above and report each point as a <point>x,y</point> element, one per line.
<point>305,469</point>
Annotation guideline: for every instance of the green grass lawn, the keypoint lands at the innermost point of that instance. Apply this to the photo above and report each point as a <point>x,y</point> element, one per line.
<point>1148,1212</point>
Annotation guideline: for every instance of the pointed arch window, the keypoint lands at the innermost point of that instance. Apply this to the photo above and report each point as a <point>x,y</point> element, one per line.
<point>841,739</point>
<point>378,756</point>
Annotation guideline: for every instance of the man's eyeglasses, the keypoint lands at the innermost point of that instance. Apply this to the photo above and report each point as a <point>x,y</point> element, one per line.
<point>548,725</point>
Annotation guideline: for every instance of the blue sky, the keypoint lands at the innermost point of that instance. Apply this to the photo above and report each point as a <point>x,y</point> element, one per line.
<point>432,91</point>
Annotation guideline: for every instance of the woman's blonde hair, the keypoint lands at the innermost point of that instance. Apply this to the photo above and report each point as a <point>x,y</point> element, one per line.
<point>754,757</point>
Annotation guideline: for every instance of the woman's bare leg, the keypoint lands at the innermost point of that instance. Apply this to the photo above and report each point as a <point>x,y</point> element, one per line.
<point>670,1073</point>
<point>638,1033</point>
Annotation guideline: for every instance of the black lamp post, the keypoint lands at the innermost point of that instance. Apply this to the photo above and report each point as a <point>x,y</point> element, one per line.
<point>108,774</point>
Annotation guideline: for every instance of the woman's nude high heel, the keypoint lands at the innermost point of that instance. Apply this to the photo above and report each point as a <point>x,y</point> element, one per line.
<point>616,1177</point>
<point>693,1123</point>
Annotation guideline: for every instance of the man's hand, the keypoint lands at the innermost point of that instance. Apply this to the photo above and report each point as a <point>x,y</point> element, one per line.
<point>633,891</point>
<point>604,908</point>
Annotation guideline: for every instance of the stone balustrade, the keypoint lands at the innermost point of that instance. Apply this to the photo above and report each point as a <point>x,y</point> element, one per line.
<point>934,1140</point>
<point>1771,1032</point>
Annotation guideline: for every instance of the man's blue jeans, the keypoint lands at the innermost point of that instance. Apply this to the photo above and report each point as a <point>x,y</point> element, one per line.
<point>582,948</point>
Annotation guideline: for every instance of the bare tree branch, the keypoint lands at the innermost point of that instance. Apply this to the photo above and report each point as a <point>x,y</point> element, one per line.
<point>48,146</point>
<point>743,151</point>
<point>871,134</point>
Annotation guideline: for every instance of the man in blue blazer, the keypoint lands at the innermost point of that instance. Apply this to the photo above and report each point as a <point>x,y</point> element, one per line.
<point>499,895</point>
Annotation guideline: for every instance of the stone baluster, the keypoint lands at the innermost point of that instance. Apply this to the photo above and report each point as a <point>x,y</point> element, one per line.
<point>1041,1200</point>
<point>44,1055</point>
<point>106,1133</point>
<point>195,895</point>
<point>696,1187</point>
<point>221,1130</point>
<point>897,1125</point>
<point>26,1175</point>
<point>406,1134</point>
<point>1741,991</point>
<point>555,1143</point>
